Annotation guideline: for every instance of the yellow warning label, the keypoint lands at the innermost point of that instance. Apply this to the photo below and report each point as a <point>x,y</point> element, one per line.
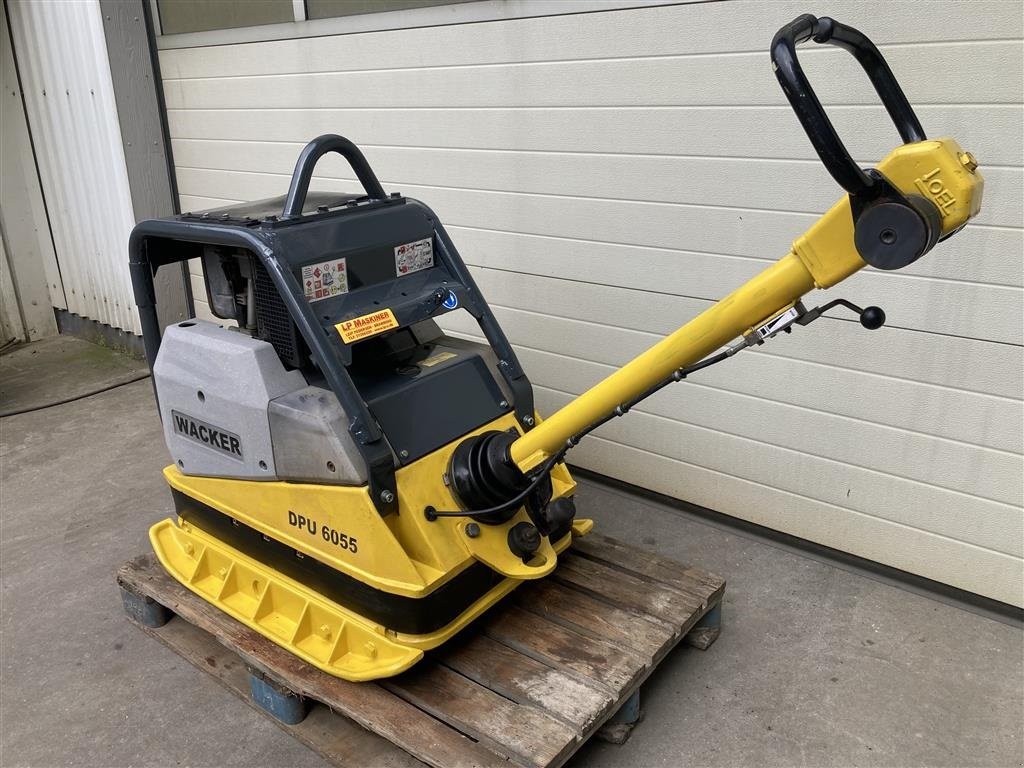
<point>367,325</point>
<point>440,357</point>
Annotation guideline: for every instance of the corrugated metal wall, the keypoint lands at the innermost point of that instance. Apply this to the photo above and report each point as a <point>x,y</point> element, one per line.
<point>69,98</point>
<point>609,175</point>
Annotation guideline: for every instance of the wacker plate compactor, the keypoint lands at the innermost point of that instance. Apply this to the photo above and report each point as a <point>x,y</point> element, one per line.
<point>357,486</point>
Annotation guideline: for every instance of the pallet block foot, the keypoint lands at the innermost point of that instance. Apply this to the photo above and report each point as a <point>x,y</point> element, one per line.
<point>144,610</point>
<point>708,628</point>
<point>619,727</point>
<point>276,700</point>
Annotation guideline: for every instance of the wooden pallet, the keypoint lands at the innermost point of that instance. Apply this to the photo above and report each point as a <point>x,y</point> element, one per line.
<point>524,686</point>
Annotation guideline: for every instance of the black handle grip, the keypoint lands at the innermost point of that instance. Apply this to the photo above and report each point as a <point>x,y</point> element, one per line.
<point>312,153</point>
<point>808,108</point>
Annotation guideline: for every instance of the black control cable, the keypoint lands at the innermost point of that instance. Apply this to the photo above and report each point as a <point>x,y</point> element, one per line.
<point>74,398</point>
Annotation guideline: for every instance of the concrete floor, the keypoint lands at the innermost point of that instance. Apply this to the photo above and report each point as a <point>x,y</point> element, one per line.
<point>73,368</point>
<point>817,665</point>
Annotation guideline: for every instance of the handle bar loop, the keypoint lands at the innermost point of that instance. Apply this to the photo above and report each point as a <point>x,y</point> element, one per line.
<point>805,103</point>
<point>312,153</point>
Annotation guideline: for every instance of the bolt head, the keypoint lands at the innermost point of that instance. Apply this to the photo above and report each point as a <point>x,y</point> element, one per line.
<point>387,496</point>
<point>472,530</point>
<point>528,421</point>
<point>968,161</point>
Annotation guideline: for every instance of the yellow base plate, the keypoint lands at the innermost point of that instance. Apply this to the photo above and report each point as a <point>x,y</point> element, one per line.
<point>297,618</point>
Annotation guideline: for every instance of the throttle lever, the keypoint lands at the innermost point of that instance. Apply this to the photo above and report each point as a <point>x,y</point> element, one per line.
<point>871,318</point>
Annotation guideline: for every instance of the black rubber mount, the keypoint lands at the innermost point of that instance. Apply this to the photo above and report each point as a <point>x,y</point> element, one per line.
<point>559,515</point>
<point>523,540</point>
<point>894,230</point>
<point>483,475</point>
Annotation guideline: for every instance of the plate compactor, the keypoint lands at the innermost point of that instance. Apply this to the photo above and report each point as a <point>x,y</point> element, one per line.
<point>356,485</point>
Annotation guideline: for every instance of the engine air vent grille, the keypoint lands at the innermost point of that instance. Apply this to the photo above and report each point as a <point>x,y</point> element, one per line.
<point>273,322</point>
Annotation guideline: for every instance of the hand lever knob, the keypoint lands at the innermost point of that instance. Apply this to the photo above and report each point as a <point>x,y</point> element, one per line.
<point>872,318</point>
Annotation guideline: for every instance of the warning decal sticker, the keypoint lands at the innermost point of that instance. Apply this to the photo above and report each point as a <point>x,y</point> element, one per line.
<point>366,326</point>
<point>412,257</point>
<point>324,280</point>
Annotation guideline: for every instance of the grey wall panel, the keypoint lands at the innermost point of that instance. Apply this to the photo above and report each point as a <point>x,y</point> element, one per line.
<point>140,118</point>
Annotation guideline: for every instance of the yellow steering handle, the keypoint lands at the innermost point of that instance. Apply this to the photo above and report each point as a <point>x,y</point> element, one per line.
<point>938,173</point>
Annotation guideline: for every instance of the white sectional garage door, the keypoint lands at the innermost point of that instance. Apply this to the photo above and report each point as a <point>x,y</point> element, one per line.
<point>610,174</point>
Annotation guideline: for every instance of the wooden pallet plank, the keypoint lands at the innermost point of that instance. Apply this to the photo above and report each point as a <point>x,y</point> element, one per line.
<point>524,687</point>
<point>525,680</point>
<point>332,736</point>
<point>369,705</point>
<point>517,731</point>
<point>596,661</point>
<point>643,563</point>
<point>571,608</point>
<point>619,588</point>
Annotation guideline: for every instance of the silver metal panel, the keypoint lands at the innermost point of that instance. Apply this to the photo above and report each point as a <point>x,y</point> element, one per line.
<point>69,98</point>
<point>309,430</point>
<point>214,386</point>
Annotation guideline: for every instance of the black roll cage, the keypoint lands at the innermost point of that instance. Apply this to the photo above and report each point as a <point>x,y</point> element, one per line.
<point>264,240</point>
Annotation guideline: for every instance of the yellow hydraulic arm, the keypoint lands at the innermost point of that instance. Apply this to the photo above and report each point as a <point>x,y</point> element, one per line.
<point>924,191</point>
<point>939,171</point>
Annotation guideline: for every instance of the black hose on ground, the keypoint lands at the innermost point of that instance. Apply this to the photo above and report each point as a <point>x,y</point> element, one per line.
<point>16,411</point>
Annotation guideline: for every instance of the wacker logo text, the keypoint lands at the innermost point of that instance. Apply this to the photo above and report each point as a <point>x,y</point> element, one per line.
<point>207,434</point>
